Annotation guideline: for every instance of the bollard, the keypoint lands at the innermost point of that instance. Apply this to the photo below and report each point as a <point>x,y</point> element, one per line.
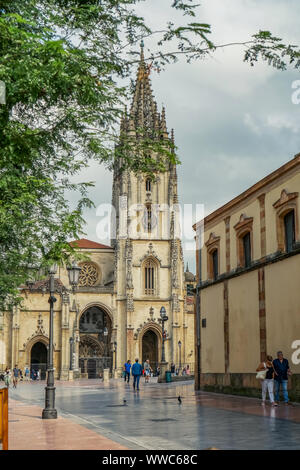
<point>106,373</point>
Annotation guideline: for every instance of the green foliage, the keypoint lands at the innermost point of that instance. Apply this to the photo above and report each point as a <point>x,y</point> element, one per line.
<point>62,63</point>
<point>273,51</point>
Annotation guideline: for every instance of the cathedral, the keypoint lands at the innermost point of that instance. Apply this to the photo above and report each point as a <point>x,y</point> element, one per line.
<point>114,314</point>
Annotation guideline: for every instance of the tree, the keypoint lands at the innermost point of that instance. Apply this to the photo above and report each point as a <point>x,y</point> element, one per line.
<point>62,63</point>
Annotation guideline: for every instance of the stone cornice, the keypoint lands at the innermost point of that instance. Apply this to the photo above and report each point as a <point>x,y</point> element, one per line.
<point>270,259</point>
<point>226,209</point>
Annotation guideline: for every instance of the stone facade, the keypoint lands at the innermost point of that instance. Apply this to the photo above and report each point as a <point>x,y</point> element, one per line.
<point>115,313</point>
<point>249,294</point>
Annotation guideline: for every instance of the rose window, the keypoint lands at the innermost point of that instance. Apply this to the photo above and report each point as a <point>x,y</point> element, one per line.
<point>89,274</point>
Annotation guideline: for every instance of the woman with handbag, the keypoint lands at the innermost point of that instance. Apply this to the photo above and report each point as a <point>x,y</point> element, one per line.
<point>265,372</point>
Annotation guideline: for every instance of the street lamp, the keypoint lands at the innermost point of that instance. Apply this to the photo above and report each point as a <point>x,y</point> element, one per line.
<point>179,345</point>
<point>73,273</point>
<point>115,345</point>
<point>49,412</point>
<point>163,318</point>
<point>105,334</point>
<point>71,353</point>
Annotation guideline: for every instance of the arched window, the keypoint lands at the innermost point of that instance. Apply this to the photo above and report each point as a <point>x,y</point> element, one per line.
<point>287,223</point>
<point>289,230</point>
<point>244,238</point>
<point>148,218</point>
<point>150,277</point>
<point>148,185</point>
<point>213,251</point>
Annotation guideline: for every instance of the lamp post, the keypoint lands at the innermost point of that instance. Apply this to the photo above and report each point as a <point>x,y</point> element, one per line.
<point>71,353</point>
<point>105,334</point>
<point>163,318</point>
<point>115,345</point>
<point>49,412</point>
<point>179,345</point>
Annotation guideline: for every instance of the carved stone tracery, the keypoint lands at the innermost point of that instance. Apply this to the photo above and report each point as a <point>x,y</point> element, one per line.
<point>89,274</point>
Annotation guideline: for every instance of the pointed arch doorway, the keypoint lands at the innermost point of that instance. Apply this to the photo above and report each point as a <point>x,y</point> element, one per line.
<point>150,348</point>
<point>95,352</point>
<point>38,358</point>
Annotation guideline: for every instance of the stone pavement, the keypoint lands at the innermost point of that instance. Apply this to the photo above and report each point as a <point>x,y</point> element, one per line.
<point>28,431</point>
<point>153,419</point>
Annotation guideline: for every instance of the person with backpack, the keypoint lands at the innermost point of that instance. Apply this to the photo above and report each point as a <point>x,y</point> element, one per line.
<point>136,371</point>
<point>266,374</point>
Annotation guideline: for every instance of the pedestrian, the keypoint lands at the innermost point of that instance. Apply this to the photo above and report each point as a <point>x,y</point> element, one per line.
<point>147,370</point>
<point>188,370</point>
<point>157,371</point>
<point>27,373</point>
<point>136,371</point>
<point>127,367</point>
<point>281,373</point>
<point>7,377</point>
<point>15,376</point>
<point>267,383</point>
<point>173,368</point>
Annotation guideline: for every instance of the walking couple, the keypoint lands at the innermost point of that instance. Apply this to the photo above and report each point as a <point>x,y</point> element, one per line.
<point>136,371</point>
<point>274,372</point>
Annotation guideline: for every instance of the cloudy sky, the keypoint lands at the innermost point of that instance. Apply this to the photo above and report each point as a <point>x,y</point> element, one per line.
<point>233,123</point>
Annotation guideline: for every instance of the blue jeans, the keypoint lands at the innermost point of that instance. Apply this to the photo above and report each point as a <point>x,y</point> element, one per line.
<point>136,381</point>
<point>127,376</point>
<point>284,384</point>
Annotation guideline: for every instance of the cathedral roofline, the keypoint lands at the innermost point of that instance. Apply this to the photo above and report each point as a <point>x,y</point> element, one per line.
<point>84,243</point>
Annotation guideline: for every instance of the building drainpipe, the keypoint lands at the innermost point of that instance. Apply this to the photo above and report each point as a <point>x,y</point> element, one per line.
<point>199,234</point>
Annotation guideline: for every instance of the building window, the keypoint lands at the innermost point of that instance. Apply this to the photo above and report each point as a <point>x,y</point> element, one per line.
<point>213,251</point>
<point>247,250</point>
<point>287,224</point>
<point>244,234</point>
<point>147,219</point>
<point>190,290</point>
<point>89,274</point>
<point>148,185</point>
<point>289,230</point>
<point>215,264</point>
<point>150,277</point>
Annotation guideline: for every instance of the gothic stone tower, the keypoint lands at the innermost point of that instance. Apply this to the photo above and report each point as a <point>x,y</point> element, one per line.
<point>149,269</point>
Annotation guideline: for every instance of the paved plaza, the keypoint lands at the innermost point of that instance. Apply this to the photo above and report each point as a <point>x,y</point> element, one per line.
<point>93,415</point>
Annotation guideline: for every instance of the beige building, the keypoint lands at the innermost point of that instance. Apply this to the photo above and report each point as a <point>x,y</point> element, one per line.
<point>115,313</point>
<point>248,273</point>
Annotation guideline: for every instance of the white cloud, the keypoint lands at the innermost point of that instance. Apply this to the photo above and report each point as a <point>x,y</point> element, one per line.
<point>233,123</point>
